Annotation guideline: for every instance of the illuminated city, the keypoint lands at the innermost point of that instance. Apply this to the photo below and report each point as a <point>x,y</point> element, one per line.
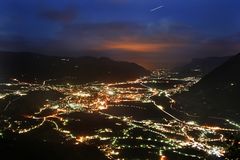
<point>126,118</point>
<point>120,79</point>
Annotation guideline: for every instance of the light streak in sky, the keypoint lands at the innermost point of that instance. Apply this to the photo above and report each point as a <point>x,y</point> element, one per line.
<point>157,8</point>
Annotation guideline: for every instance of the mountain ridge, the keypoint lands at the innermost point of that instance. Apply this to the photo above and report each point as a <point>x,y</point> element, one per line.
<point>200,66</point>
<point>217,93</point>
<point>31,67</point>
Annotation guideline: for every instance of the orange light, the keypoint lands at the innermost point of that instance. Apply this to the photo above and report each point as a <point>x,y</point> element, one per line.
<point>163,158</point>
<point>135,46</point>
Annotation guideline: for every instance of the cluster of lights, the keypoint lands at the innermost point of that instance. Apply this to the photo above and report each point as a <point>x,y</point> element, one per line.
<point>173,134</point>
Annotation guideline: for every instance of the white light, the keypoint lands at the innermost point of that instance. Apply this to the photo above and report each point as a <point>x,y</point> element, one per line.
<point>2,96</point>
<point>111,93</point>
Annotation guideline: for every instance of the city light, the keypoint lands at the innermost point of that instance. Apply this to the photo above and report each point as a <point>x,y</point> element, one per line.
<point>170,134</point>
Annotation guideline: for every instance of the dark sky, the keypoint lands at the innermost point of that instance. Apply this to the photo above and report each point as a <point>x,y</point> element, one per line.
<point>122,29</point>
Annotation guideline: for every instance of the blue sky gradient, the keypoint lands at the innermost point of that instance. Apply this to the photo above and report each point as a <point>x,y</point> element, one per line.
<point>122,29</point>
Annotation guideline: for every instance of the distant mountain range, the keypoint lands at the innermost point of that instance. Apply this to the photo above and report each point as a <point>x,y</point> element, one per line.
<point>38,68</point>
<point>217,93</point>
<point>200,66</point>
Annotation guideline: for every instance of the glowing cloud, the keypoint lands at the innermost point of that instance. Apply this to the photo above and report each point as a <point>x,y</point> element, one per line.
<point>140,47</point>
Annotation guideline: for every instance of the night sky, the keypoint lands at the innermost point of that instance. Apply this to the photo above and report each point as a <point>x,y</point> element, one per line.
<point>129,30</point>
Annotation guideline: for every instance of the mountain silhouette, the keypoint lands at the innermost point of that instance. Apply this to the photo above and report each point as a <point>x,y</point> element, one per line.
<point>31,67</point>
<point>217,93</point>
<point>200,66</point>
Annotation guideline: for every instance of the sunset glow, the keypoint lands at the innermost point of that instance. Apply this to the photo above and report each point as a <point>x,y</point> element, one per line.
<point>136,47</point>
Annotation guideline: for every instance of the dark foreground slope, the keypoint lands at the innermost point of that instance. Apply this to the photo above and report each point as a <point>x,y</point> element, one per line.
<point>218,93</point>
<point>33,67</point>
<point>29,150</point>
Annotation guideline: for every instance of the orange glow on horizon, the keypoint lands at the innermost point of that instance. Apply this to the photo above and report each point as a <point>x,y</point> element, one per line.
<point>135,46</point>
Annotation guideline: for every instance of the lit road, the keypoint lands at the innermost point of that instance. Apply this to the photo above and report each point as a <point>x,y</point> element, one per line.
<point>162,136</point>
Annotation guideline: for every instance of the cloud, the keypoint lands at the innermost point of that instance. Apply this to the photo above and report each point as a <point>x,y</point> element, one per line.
<point>60,15</point>
<point>221,46</point>
<point>128,37</point>
<point>135,46</point>
<point>150,45</point>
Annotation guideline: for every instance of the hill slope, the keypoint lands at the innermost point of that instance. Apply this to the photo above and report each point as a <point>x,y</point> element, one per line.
<point>201,66</point>
<point>217,94</point>
<point>33,67</point>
